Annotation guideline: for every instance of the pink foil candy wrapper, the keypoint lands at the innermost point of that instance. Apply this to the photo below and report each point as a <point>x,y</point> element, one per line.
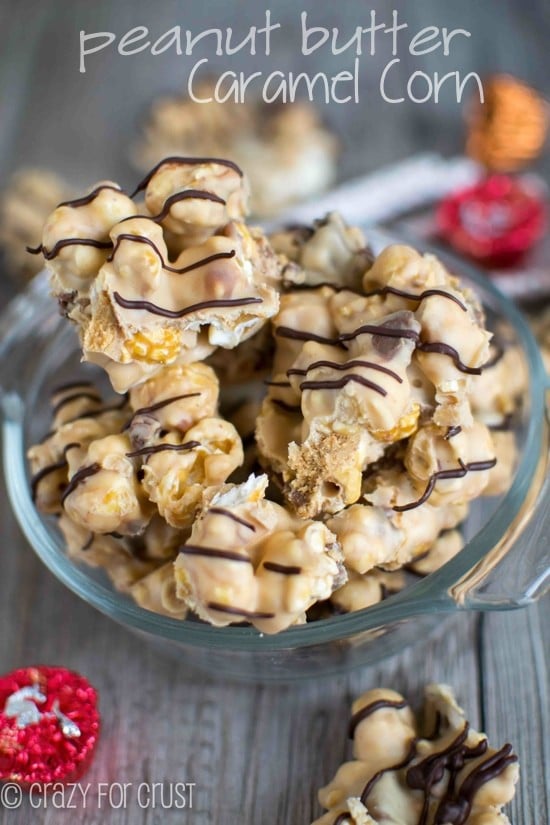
<point>496,221</point>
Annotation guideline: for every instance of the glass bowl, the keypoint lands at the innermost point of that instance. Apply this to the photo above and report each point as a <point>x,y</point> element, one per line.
<point>504,564</point>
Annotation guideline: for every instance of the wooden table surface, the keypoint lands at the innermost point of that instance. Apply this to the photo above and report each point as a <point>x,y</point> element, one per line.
<point>256,754</point>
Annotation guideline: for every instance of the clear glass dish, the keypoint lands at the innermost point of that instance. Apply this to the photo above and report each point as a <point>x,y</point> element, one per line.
<point>505,563</point>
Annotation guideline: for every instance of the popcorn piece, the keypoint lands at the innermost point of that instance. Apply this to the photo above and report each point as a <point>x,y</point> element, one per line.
<point>79,419</point>
<point>329,252</point>
<point>376,534</point>
<point>145,313</point>
<point>104,494</point>
<point>287,153</point>
<point>443,550</point>
<point>361,591</point>
<point>248,559</point>
<point>167,286</point>
<point>450,468</point>
<point>496,393</point>
<point>175,399</point>
<point>405,773</point>
<point>29,197</point>
<point>75,243</point>
<point>157,592</point>
<point>506,451</point>
<point>193,199</point>
<point>115,555</point>
<point>353,402</point>
<point>176,471</point>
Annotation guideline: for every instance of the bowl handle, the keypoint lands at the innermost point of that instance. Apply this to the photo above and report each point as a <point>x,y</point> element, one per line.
<point>516,572</point>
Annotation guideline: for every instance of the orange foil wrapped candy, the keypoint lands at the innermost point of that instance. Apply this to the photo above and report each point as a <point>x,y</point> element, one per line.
<point>508,130</point>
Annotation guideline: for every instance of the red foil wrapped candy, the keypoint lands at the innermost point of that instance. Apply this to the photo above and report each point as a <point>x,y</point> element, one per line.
<point>495,221</point>
<point>49,725</point>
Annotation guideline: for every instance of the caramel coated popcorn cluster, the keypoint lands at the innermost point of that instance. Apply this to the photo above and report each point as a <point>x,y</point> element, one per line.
<point>431,770</point>
<point>387,408</point>
<point>288,154</point>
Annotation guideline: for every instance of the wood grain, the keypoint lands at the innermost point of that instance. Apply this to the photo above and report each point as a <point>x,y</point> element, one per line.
<point>257,754</point>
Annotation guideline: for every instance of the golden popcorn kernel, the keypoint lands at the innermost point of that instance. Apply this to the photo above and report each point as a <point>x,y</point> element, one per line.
<point>408,424</point>
<point>144,347</point>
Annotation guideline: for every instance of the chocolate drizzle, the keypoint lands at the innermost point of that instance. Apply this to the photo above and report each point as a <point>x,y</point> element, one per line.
<point>459,472</point>
<point>91,396</point>
<point>372,708</point>
<point>70,385</point>
<point>213,553</point>
<point>455,808</point>
<point>302,335</point>
<point>187,162</point>
<point>411,296</point>
<point>49,254</point>
<point>451,432</point>
<point>336,365</point>
<point>91,196</point>
<point>186,194</point>
<point>341,382</point>
<point>159,448</point>
<point>126,236</point>
<point>284,569</point>
<point>180,313</point>
<point>440,348</point>
<point>290,408</point>
<point>237,611</point>
<point>221,511</point>
<point>51,468</point>
<point>160,404</point>
<point>79,477</point>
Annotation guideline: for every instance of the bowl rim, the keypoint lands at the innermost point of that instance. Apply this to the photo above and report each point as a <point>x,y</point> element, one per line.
<point>425,596</point>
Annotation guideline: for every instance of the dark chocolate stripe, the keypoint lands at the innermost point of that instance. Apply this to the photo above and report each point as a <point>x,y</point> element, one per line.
<point>213,553</point>
<point>278,383</point>
<point>300,335</point>
<point>291,408</point>
<point>78,478</point>
<point>180,313</point>
<point>372,708</point>
<point>86,199</point>
<point>186,194</point>
<point>284,569</point>
<point>187,162</point>
<point>237,611</point>
<point>456,811</point>
<point>380,329</point>
<point>221,511</point>
<point>459,472</point>
<point>126,236</point>
<point>336,365</point>
<point>91,396</point>
<point>440,348</point>
<point>160,448</point>
<point>341,382</point>
<point>51,468</point>
<point>451,432</point>
<point>498,356</point>
<point>54,251</point>
<point>411,296</point>
<point>160,404</point>
<point>70,385</point>
<point>374,779</point>
<point>96,413</point>
<point>88,543</point>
